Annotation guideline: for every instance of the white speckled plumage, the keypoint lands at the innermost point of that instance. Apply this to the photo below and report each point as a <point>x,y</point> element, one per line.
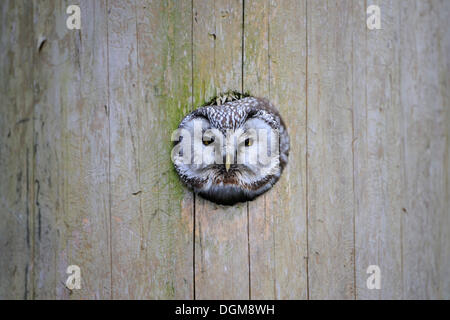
<point>238,117</point>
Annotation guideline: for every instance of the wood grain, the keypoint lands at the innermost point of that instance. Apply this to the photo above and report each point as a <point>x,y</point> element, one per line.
<point>85,126</point>
<point>378,151</point>
<point>329,141</point>
<point>150,81</point>
<point>444,84</point>
<point>287,67</point>
<point>86,154</point>
<point>72,160</point>
<point>16,151</point>
<point>424,97</point>
<point>127,226</point>
<point>165,87</point>
<point>48,139</point>
<point>221,232</point>
<point>256,80</point>
<point>277,220</point>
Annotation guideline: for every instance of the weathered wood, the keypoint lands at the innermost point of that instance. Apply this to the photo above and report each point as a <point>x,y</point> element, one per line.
<point>444,84</point>
<point>277,221</point>
<point>378,151</point>
<point>48,141</point>
<point>86,153</point>
<point>150,89</point>
<point>165,87</point>
<point>71,136</point>
<point>127,226</point>
<point>329,142</point>
<point>85,126</point>
<point>287,90</point>
<point>221,233</point>
<point>256,80</point>
<point>16,150</point>
<point>424,98</point>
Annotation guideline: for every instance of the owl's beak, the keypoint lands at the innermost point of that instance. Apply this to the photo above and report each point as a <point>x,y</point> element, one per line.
<point>227,162</point>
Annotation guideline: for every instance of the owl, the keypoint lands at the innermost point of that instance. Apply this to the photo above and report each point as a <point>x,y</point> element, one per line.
<point>232,149</point>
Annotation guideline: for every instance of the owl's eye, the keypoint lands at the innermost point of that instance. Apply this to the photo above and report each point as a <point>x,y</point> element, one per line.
<point>248,142</point>
<point>207,141</point>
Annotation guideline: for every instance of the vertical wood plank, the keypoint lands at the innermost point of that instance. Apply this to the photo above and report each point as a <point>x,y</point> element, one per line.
<point>261,219</point>
<point>150,89</point>
<point>424,96</point>
<point>86,242</point>
<point>256,48</point>
<point>127,233</point>
<point>330,170</point>
<point>378,151</point>
<point>85,125</point>
<point>71,136</point>
<point>48,139</point>
<point>287,202</point>
<point>221,235</point>
<point>165,88</point>
<point>277,220</point>
<point>444,85</point>
<point>16,150</point>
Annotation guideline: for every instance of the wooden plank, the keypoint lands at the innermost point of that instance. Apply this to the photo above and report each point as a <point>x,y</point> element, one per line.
<point>221,234</point>
<point>127,233</point>
<point>378,151</point>
<point>287,29</point>
<point>444,84</point>
<point>262,223</point>
<point>48,140</point>
<point>16,150</point>
<point>329,141</point>
<point>424,96</point>
<point>165,48</point>
<point>277,220</point>
<point>79,87</point>
<point>86,152</point>
<point>85,144</point>
<point>71,136</point>
<point>150,89</point>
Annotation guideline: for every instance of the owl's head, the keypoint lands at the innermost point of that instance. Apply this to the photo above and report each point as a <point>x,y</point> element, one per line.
<point>231,150</point>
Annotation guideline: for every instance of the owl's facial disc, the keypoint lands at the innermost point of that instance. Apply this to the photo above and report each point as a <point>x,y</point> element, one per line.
<point>234,155</point>
<point>228,163</point>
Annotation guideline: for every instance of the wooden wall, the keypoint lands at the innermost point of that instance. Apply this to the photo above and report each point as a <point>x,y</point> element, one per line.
<point>86,176</point>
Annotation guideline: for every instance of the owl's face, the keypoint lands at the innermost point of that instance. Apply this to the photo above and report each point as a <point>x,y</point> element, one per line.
<point>231,152</point>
